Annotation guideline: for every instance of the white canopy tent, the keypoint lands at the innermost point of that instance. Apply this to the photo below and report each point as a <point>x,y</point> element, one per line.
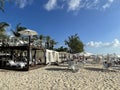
<point>86,54</point>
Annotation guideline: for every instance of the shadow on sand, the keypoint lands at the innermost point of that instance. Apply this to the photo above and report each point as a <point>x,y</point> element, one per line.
<point>61,69</point>
<point>11,69</point>
<point>99,69</point>
<point>7,69</point>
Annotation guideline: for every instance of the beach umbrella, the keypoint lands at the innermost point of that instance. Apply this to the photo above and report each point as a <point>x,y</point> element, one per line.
<point>28,32</point>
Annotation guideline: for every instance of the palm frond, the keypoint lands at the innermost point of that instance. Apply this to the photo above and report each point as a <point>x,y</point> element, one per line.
<point>3,25</point>
<point>2,5</point>
<point>15,33</point>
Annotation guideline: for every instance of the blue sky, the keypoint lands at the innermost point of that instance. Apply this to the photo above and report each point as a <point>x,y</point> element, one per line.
<point>97,22</point>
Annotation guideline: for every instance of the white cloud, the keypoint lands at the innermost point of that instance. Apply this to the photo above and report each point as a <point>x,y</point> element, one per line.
<point>90,4</point>
<point>50,5</point>
<point>94,44</point>
<point>74,5</point>
<point>114,44</point>
<point>103,47</point>
<point>108,4</point>
<point>96,1</point>
<point>23,3</point>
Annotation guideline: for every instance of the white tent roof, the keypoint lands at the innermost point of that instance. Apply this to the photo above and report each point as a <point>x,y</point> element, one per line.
<point>84,54</point>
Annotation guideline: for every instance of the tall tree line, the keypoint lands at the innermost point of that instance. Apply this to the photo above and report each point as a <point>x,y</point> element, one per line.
<point>49,42</point>
<point>74,44</point>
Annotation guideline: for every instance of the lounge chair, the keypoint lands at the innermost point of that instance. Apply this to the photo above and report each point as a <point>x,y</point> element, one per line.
<point>106,65</point>
<point>71,65</point>
<point>21,65</point>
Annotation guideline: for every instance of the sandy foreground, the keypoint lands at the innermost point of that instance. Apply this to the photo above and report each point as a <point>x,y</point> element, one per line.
<point>91,77</point>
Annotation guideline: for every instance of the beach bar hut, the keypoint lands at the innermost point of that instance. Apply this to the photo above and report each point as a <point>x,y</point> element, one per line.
<point>18,54</point>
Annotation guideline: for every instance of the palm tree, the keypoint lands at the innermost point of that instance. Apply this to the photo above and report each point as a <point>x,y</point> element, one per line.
<point>15,32</point>
<point>18,28</point>
<point>47,43</point>
<point>3,25</point>
<point>75,44</point>
<point>2,5</point>
<point>41,37</point>
<point>61,49</point>
<point>52,43</point>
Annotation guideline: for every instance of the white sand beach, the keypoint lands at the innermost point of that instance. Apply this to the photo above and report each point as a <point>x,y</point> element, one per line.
<point>91,77</point>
